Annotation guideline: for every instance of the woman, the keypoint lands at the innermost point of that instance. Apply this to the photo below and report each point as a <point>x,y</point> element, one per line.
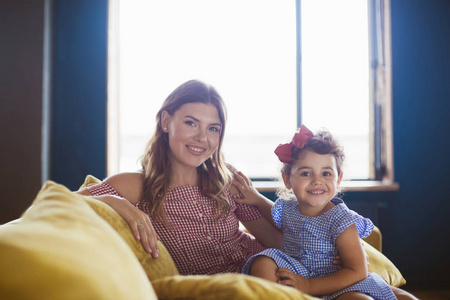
<point>184,195</point>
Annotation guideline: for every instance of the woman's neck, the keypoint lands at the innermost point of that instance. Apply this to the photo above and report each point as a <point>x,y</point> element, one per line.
<point>184,176</point>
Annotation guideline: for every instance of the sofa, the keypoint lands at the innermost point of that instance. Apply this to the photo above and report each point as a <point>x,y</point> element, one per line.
<point>68,246</point>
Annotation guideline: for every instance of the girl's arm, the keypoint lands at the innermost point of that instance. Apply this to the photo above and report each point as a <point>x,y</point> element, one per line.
<point>354,268</point>
<point>129,185</point>
<point>263,229</point>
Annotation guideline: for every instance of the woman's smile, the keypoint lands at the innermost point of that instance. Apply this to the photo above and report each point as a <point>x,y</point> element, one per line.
<point>194,132</point>
<point>196,150</point>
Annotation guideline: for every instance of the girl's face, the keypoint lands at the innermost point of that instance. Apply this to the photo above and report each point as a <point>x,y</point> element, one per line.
<point>194,132</point>
<point>314,180</point>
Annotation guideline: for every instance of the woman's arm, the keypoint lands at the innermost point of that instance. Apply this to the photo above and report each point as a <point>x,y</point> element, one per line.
<point>354,268</point>
<point>129,185</point>
<point>265,232</point>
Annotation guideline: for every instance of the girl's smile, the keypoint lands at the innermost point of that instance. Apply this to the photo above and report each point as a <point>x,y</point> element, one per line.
<point>314,179</point>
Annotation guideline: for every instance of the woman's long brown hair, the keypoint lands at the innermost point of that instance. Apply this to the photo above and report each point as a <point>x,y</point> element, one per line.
<point>213,173</point>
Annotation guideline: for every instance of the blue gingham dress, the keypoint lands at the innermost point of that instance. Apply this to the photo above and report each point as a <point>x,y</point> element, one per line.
<point>309,245</point>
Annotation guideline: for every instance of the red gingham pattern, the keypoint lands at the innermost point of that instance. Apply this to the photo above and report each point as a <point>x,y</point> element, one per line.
<point>102,188</point>
<point>196,243</point>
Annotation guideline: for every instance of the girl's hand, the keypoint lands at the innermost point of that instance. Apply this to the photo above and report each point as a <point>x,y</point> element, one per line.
<point>288,278</point>
<point>139,222</point>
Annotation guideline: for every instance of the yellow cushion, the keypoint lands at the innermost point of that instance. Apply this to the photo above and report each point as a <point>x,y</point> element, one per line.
<point>61,249</point>
<point>223,286</point>
<point>89,181</point>
<point>375,239</point>
<point>239,286</point>
<point>380,264</point>
<point>155,268</point>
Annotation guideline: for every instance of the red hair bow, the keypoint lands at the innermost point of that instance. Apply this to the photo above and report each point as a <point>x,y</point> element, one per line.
<point>284,151</point>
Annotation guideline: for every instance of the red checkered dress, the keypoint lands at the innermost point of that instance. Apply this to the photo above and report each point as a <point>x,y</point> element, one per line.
<point>196,243</point>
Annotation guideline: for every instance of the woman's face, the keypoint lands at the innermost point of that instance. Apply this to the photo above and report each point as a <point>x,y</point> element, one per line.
<point>194,132</point>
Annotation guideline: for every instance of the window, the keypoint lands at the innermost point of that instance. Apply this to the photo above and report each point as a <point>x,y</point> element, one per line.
<point>277,64</point>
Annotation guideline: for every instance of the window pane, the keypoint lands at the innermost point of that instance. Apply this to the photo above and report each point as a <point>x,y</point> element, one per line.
<point>246,49</point>
<point>335,76</point>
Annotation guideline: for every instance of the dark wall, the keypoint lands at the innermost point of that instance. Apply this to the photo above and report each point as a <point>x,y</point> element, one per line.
<point>78,145</point>
<point>21,52</point>
<point>414,220</point>
<point>417,222</point>
<point>77,140</point>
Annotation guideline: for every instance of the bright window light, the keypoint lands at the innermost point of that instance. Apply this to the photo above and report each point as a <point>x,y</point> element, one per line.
<point>247,50</point>
<point>335,76</point>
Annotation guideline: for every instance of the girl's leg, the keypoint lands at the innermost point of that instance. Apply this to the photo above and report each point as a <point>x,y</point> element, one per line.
<point>264,267</point>
<point>402,295</point>
<point>354,296</point>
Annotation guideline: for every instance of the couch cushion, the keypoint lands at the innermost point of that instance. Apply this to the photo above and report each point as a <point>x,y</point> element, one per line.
<point>155,268</point>
<point>224,287</point>
<point>380,264</point>
<point>61,249</point>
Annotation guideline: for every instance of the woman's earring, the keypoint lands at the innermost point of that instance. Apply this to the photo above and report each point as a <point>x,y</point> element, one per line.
<point>165,129</point>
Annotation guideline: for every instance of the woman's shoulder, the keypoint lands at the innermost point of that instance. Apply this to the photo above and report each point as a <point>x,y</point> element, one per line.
<point>129,185</point>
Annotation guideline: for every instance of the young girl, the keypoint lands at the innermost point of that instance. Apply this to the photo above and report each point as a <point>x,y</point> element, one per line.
<point>317,226</point>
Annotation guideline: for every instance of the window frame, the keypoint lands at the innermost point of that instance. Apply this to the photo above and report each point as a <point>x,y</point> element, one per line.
<point>380,98</point>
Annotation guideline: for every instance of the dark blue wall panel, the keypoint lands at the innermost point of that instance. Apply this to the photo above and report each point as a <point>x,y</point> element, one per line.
<point>417,223</point>
<point>79,91</point>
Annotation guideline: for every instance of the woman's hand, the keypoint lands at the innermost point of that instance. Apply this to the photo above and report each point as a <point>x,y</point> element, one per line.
<point>338,261</point>
<point>264,229</point>
<point>129,186</point>
<point>139,222</point>
<point>245,186</point>
<point>287,277</point>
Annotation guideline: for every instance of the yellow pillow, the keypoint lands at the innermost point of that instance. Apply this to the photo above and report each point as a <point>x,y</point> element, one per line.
<point>61,249</point>
<point>155,268</point>
<point>240,286</point>
<point>380,264</point>
<point>375,239</point>
<point>223,287</point>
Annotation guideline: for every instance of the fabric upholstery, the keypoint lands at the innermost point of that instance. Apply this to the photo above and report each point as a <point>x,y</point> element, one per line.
<point>380,264</point>
<point>224,287</point>
<point>155,268</point>
<point>61,249</point>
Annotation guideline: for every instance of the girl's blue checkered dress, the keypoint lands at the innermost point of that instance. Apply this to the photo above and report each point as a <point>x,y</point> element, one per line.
<point>309,245</point>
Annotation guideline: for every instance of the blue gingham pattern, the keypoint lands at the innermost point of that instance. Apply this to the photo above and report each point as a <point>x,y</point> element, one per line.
<point>309,246</point>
